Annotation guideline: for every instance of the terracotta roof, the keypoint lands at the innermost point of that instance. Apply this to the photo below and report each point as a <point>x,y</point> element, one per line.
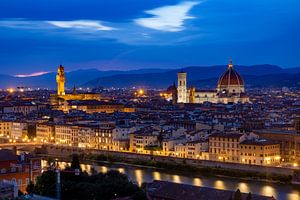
<point>259,142</point>
<point>230,77</point>
<point>226,135</point>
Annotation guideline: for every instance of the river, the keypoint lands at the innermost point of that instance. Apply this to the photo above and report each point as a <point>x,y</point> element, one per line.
<point>143,174</point>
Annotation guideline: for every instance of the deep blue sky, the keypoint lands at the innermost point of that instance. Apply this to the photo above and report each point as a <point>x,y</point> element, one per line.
<point>37,35</point>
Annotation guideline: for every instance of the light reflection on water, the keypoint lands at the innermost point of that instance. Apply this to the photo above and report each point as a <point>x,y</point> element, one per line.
<point>244,187</point>
<point>176,179</point>
<point>121,170</point>
<point>156,176</point>
<point>267,190</point>
<point>197,182</point>
<point>219,184</point>
<point>140,175</point>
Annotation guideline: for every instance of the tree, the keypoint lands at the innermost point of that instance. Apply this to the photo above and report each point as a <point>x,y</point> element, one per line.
<point>30,188</point>
<point>249,196</point>
<point>75,164</point>
<point>160,138</point>
<point>46,184</point>
<point>93,171</point>
<point>100,186</point>
<point>31,131</point>
<point>237,195</point>
<point>51,163</point>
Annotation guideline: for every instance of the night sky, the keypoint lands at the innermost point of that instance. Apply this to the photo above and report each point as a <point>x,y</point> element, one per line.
<point>38,35</point>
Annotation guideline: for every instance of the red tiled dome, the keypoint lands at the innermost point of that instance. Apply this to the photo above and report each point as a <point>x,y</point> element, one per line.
<point>230,77</point>
<point>171,89</point>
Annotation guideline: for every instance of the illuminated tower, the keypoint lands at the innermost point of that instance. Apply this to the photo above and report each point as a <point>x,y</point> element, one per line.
<point>182,91</point>
<point>60,80</point>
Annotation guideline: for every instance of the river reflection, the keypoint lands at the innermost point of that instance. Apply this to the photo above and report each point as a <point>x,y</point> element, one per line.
<point>140,175</point>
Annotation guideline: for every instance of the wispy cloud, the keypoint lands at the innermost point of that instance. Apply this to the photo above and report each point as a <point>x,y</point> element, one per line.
<point>19,23</point>
<point>126,32</point>
<point>168,18</point>
<point>82,24</point>
<point>30,75</point>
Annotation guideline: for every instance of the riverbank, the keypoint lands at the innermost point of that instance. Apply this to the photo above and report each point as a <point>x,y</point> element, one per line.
<point>178,165</point>
<point>144,174</point>
<point>182,169</point>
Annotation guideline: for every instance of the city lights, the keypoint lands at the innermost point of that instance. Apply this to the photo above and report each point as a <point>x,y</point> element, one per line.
<point>10,90</point>
<point>159,100</point>
<point>141,91</point>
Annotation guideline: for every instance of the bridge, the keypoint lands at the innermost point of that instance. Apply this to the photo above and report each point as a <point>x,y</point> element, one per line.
<point>19,145</point>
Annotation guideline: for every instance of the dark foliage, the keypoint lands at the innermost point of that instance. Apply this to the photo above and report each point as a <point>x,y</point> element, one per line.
<point>249,196</point>
<point>102,186</point>
<point>237,195</point>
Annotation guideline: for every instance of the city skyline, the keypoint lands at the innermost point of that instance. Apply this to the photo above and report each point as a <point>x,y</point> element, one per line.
<point>111,35</point>
<point>150,99</point>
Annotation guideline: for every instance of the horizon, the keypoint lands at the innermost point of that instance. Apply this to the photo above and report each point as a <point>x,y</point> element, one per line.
<point>136,69</point>
<point>110,35</point>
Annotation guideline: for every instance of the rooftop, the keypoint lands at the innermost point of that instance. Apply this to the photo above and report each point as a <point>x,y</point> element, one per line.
<point>175,191</point>
<point>259,142</point>
<point>226,135</point>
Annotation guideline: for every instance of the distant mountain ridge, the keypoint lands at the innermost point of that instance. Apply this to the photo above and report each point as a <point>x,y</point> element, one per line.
<point>208,75</point>
<point>77,78</point>
<point>201,76</point>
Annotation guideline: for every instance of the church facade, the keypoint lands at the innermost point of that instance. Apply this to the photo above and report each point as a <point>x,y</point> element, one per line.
<point>230,89</point>
<point>61,95</point>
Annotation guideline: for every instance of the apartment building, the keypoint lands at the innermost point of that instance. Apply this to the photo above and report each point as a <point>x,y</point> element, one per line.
<point>225,147</point>
<point>260,152</point>
<point>45,132</point>
<point>66,135</point>
<point>19,170</point>
<point>5,128</point>
<point>197,149</point>
<point>140,140</point>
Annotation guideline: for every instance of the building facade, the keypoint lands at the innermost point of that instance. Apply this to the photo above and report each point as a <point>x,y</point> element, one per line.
<point>19,170</point>
<point>45,132</point>
<point>5,128</point>
<point>225,147</point>
<point>260,152</point>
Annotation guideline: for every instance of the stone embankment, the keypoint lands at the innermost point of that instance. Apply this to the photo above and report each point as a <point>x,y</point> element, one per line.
<point>66,152</point>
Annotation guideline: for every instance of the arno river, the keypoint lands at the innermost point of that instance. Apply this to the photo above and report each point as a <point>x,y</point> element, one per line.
<point>140,175</point>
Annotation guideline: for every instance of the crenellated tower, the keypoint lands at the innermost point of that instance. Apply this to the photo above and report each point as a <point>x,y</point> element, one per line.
<point>60,80</point>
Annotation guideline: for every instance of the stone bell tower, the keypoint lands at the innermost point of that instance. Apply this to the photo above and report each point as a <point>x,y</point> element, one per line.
<point>60,80</point>
<point>182,89</point>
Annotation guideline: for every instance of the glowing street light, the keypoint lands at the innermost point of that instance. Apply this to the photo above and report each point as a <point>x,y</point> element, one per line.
<point>141,91</point>
<point>295,165</point>
<point>10,90</point>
